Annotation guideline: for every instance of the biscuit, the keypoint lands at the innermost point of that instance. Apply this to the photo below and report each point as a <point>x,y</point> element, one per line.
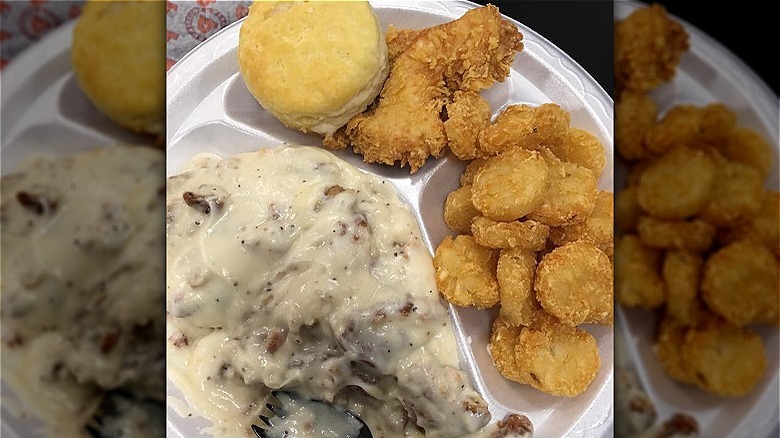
<point>313,65</point>
<point>118,57</point>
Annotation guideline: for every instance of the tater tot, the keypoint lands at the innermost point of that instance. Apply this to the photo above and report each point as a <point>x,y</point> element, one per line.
<point>571,196</point>
<point>596,229</point>
<point>635,114</point>
<point>638,280</point>
<point>748,147</point>
<point>693,234</point>
<point>511,185</point>
<point>459,210</point>
<point>527,127</point>
<point>677,185</point>
<point>627,210</point>
<point>525,234</point>
<point>668,343</point>
<point>466,272</point>
<point>740,283</point>
<point>558,359</point>
<point>680,272</point>
<point>737,194</point>
<point>763,229</point>
<point>471,170</point>
<point>724,359</point>
<point>515,273</point>
<point>574,282</point>
<point>584,149</point>
<point>467,115</point>
<point>502,344</point>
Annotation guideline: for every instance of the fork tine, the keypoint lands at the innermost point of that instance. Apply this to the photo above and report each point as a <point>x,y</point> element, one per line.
<point>273,399</point>
<point>260,432</point>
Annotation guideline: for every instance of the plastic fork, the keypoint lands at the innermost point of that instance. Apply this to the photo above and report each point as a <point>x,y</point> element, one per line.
<point>283,411</point>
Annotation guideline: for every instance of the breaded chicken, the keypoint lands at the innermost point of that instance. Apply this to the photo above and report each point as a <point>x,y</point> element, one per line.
<point>406,124</point>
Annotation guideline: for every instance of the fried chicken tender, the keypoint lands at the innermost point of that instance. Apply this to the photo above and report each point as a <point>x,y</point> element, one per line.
<point>680,272</point>
<point>466,272</point>
<point>764,228</point>
<point>571,196</point>
<point>596,229</point>
<point>723,359</point>
<point>694,234</point>
<point>740,283</point>
<point>556,358</point>
<point>459,210</point>
<point>574,283</point>
<point>528,127</point>
<point>638,280</point>
<point>635,114</point>
<point>502,344</point>
<point>405,125</point>
<point>738,194</point>
<point>511,185</point>
<point>678,185</point>
<point>526,234</point>
<point>515,273</point>
<point>648,48</point>
<point>584,149</point>
<point>467,115</point>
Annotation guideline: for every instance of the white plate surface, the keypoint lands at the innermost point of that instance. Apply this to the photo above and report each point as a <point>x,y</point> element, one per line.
<point>210,110</point>
<point>709,72</point>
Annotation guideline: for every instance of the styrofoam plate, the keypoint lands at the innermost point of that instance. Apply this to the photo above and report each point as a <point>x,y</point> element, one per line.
<point>709,72</point>
<point>210,110</point>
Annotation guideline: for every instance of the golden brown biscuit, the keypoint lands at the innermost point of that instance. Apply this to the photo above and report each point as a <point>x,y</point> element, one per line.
<point>118,57</point>
<point>313,65</point>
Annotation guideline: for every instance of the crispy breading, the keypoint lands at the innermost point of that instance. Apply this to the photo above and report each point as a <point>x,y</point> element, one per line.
<point>528,127</point>
<point>525,234</point>
<point>515,274</point>
<point>405,124</point>
<point>596,229</point>
<point>584,149</point>
<point>503,339</point>
<point>467,115</point>
<point>466,272</point>
<point>571,196</point>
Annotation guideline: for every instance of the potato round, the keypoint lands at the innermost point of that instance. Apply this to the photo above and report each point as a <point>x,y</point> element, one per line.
<point>571,196</point>
<point>748,147</point>
<point>677,185</point>
<point>763,229</point>
<point>527,234</point>
<point>638,274</point>
<point>737,194</point>
<point>471,170</point>
<point>596,229</point>
<point>515,274</point>
<point>574,283</point>
<point>511,185</point>
<point>466,272</point>
<point>680,273</point>
<point>668,344</point>
<point>459,210</point>
<point>627,210</point>
<point>695,234</point>
<point>584,149</point>
<point>527,127</point>
<point>503,339</point>
<point>635,114</point>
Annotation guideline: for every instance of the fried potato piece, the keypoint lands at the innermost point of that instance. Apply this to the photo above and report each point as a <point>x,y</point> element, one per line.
<point>680,272</point>
<point>627,210</point>
<point>502,344</point>
<point>724,359</point>
<point>763,229</point>
<point>740,283</point>
<point>574,283</point>
<point>466,272</point>
<point>748,147</point>
<point>527,234</point>
<point>677,185</point>
<point>737,195</point>
<point>527,127</point>
<point>668,344</point>
<point>635,115</point>
<point>558,359</point>
<point>638,280</point>
<point>584,149</point>
<point>571,196</point>
<point>404,125</point>
<point>467,115</point>
<point>459,210</point>
<point>691,126</point>
<point>471,170</point>
<point>511,185</point>
<point>597,229</point>
<point>693,234</point>
<point>648,48</point>
<point>635,172</point>
<point>515,273</point>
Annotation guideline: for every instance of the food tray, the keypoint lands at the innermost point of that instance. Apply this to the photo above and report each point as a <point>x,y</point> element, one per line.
<point>211,110</point>
<point>44,111</point>
<point>709,72</point>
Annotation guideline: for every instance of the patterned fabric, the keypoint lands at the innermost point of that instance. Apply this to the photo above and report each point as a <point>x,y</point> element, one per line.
<point>189,23</point>
<point>25,22</point>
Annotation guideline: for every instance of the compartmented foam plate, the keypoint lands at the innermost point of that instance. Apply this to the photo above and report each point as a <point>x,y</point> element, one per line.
<point>211,110</point>
<point>709,72</point>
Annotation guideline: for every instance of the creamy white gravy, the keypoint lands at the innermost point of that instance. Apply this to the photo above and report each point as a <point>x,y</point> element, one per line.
<point>289,268</point>
<point>82,290</point>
